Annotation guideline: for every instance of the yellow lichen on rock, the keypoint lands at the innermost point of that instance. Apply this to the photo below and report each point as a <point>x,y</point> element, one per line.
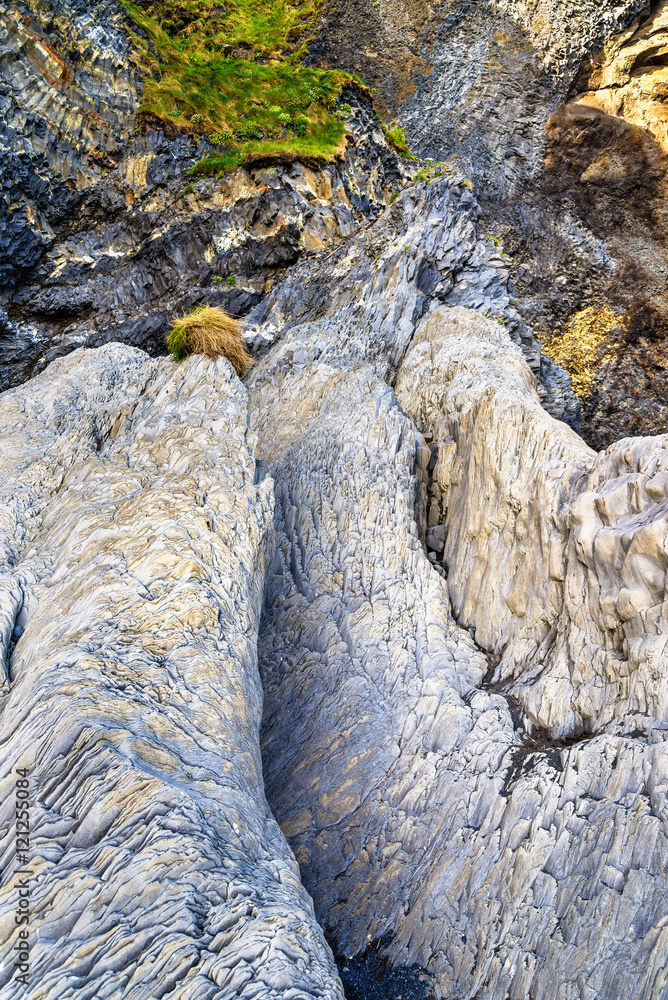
<point>586,343</point>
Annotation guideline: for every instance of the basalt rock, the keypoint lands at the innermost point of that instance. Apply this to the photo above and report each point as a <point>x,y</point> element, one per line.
<point>373,288</point>
<point>133,541</point>
<point>104,236</point>
<point>450,610</point>
<point>68,92</point>
<point>423,809</point>
<point>557,112</point>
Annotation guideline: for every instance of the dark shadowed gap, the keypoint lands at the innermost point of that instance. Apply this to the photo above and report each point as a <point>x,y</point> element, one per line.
<point>368,977</point>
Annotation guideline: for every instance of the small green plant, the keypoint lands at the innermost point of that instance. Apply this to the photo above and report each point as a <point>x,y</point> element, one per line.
<point>393,197</point>
<point>209,331</point>
<point>188,189</point>
<point>223,138</point>
<point>396,137</point>
<point>174,114</point>
<point>197,119</point>
<point>248,130</point>
<point>275,109</point>
<point>494,239</point>
<point>216,277</point>
<point>300,124</point>
<point>467,184</point>
<point>231,280</point>
<point>285,118</point>
<point>344,110</point>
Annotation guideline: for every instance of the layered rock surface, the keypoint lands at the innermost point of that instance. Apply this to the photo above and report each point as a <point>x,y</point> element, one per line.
<point>557,112</point>
<point>134,540</point>
<point>104,237</point>
<point>422,808</point>
<point>556,557</point>
<point>463,639</point>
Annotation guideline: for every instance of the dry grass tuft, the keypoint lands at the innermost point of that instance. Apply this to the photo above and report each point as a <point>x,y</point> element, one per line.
<point>212,332</point>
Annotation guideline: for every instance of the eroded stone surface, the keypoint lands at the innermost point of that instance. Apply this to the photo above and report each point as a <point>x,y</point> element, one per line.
<point>104,235</point>
<point>415,807</point>
<point>133,540</point>
<point>556,557</point>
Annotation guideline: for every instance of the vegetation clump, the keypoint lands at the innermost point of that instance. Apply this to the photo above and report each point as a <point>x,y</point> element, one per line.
<point>396,137</point>
<point>235,71</point>
<point>209,330</point>
<point>591,339</point>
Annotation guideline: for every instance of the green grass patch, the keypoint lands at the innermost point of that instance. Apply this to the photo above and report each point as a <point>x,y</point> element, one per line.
<point>396,137</point>
<point>234,72</point>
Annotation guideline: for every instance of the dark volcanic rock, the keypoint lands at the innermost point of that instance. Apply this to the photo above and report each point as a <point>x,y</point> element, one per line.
<point>557,112</point>
<point>68,92</point>
<point>106,238</point>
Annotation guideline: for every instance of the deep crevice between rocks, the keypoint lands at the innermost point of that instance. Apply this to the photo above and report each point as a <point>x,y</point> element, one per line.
<point>369,976</point>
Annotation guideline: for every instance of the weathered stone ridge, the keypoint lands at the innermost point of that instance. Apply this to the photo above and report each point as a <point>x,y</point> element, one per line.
<point>385,584</point>
<point>557,113</point>
<point>417,808</point>
<point>134,540</point>
<point>118,251</point>
<point>556,557</point>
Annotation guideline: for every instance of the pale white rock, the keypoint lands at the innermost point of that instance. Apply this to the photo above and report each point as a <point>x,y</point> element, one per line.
<point>556,557</point>
<point>418,809</point>
<point>134,539</point>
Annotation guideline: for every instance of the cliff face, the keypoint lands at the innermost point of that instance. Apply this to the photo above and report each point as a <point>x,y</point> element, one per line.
<point>444,815</point>
<point>557,112</point>
<point>104,235</point>
<point>384,583</point>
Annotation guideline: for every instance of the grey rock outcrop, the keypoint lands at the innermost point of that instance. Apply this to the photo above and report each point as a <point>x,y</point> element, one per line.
<point>364,298</point>
<point>557,113</point>
<point>556,556</point>
<point>449,610</point>
<point>133,543</point>
<point>473,81</point>
<point>68,93</point>
<point>421,809</point>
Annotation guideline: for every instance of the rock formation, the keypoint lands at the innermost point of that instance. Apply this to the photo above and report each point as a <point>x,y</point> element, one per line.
<point>134,541</point>
<point>557,112</point>
<point>385,583</point>
<point>413,777</point>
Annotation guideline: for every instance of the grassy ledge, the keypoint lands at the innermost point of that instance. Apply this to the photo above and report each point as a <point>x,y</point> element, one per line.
<point>234,72</point>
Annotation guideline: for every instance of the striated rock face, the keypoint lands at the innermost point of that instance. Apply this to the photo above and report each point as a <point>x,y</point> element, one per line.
<point>555,556</point>
<point>557,112</point>
<point>473,81</point>
<point>429,622</point>
<point>68,91</point>
<point>419,808</point>
<point>105,237</point>
<point>608,155</point>
<point>133,541</point>
<point>368,294</point>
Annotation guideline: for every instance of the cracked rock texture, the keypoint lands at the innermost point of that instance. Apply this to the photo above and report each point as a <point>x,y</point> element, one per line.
<point>386,583</point>
<point>556,556</point>
<point>557,112</point>
<point>103,235</point>
<point>133,540</point>
<point>418,809</point>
